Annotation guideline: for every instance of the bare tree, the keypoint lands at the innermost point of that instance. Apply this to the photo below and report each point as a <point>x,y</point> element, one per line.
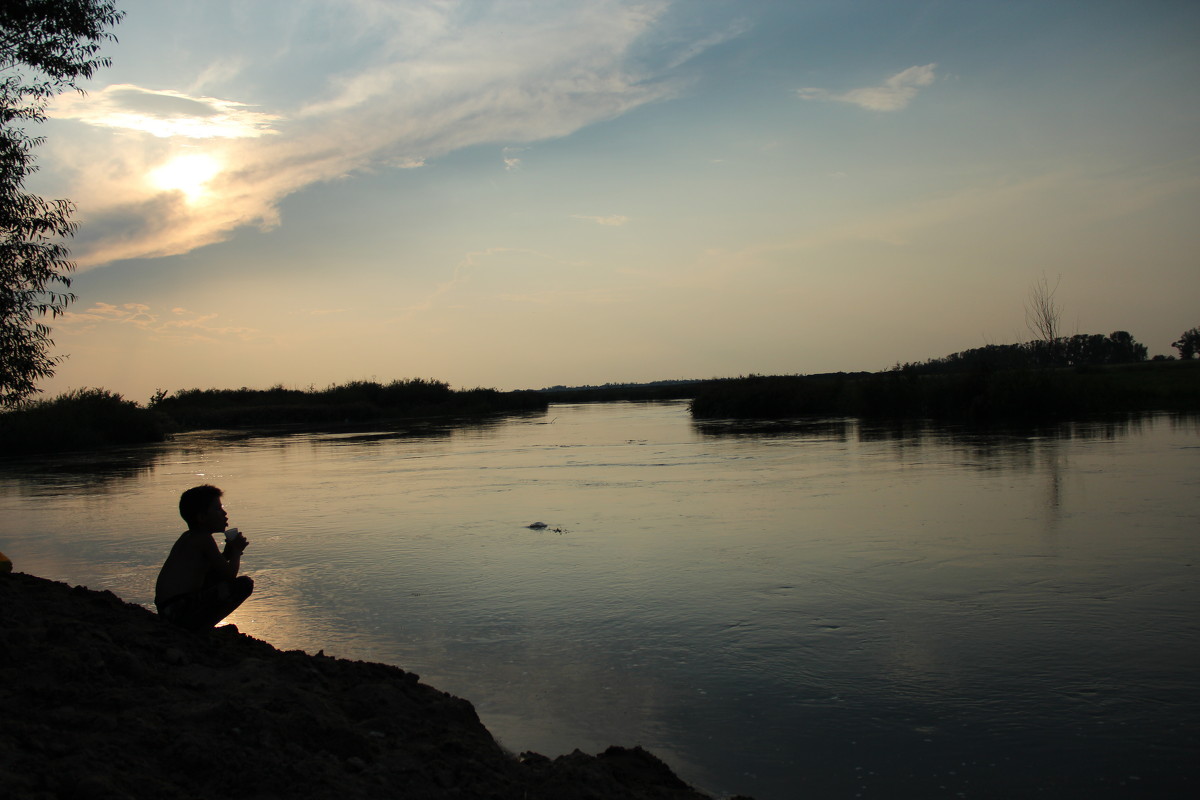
<point>1042,311</point>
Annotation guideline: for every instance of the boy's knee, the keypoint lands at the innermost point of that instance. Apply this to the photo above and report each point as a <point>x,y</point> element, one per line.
<point>245,585</point>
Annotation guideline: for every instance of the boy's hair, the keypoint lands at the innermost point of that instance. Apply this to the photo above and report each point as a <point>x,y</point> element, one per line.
<point>195,501</point>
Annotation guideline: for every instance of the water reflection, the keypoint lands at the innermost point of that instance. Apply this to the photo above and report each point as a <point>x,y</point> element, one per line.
<point>102,471</point>
<point>837,429</point>
<point>928,431</point>
<point>815,607</point>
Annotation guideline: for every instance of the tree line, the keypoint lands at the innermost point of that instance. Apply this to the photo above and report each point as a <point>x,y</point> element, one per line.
<point>1080,350</point>
<point>85,419</point>
<point>1091,349</point>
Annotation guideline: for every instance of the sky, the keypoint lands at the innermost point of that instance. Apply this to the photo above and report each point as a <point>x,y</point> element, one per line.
<point>531,193</point>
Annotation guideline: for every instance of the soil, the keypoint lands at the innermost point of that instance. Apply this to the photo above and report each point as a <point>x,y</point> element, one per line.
<point>102,699</point>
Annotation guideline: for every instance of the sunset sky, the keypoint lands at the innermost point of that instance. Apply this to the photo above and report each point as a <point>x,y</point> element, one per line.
<point>522,194</point>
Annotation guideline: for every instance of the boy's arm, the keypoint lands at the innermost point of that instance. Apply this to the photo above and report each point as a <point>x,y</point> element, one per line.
<point>233,553</point>
<point>221,564</point>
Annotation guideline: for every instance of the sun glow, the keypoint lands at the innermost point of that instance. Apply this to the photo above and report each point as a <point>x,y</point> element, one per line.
<point>188,174</point>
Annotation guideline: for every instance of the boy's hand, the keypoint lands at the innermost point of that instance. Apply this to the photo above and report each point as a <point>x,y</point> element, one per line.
<point>237,545</point>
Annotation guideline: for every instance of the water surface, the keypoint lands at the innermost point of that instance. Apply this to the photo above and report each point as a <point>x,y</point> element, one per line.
<point>824,609</point>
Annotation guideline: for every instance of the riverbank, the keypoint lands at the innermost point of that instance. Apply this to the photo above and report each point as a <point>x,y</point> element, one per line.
<point>979,395</point>
<point>88,419</point>
<point>102,700</point>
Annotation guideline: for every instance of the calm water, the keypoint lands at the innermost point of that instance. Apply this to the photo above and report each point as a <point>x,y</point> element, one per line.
<point>825,611</point>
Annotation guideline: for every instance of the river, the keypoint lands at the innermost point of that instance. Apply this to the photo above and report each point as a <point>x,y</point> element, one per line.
<point>823,609</point>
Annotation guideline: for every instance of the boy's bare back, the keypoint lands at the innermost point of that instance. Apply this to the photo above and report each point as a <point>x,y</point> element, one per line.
<point>193,563</point>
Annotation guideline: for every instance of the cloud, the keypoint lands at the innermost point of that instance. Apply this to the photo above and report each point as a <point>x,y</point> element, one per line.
<point>430,79</point>
<point>893,94</point>
<point>612,219</point>
<point>164,113</point>
<point>512,161</point>
<point>181,324</point>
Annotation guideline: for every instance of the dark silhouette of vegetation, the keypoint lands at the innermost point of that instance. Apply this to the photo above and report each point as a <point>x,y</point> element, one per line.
<point>1042,311</point>
<point>82,419</point>
<point>46,47</point>
<point>1188,344</point>
<point>1084,349</point>
<point>1038,380</point>
<point>681,389</point>
<point>354,402</point>
<point>90,418</point>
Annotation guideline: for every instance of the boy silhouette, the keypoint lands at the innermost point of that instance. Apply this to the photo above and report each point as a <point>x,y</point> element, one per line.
<point>198,585</point>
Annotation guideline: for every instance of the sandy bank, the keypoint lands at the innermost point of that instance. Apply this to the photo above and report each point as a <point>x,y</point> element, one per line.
<point>102,700</point>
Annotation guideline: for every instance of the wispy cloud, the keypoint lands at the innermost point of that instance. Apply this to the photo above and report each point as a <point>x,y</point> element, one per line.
<point>179,323</point>
<point>432,79</point>
<point>893,94</point>
<point>512,159</point>
<point>164,113</point>
<point>612,219</point>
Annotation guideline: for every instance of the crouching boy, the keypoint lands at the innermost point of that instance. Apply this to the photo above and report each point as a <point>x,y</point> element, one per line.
<point>198,585</point>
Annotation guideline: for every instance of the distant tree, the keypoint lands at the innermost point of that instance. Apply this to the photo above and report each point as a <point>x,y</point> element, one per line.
<point>46,47</point>
<point>1042,311</point>
<point>1085,348</point>
<point>1122,348</point>
<point>1119,347</point>
<point>1188,344</point>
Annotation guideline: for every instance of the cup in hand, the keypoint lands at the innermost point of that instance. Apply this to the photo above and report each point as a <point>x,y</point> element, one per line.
<point>231,534</point>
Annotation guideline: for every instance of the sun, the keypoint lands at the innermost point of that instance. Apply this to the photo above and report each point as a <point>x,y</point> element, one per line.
<point>189,174</point>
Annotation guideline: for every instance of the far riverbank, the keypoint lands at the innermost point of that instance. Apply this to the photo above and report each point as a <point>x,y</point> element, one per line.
<point>94,418</point>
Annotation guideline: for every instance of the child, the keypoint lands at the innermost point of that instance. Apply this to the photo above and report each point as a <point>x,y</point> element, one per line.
<point>198,585</point>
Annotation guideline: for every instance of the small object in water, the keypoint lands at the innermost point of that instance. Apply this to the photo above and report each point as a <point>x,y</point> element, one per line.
<point>537,526</point>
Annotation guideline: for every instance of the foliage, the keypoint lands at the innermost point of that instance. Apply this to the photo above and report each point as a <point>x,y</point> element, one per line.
<point>1188,344</point>
<point>46,47</point>
<point>678,389</point>
<point>91,418</point>
<point>997,385</point>
<point>353,402</point>
<point>776,396</point>
<point>1080,350</point>
<point>78,420</point>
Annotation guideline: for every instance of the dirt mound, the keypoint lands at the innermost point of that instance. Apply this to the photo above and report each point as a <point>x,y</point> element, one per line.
<point>101,699</point>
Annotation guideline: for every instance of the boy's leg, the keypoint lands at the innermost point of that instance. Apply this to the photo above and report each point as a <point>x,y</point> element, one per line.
<point>230,595</point>
<point>204,608</point>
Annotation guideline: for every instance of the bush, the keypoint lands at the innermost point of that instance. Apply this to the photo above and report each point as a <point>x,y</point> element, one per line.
<point>979,394</point>
<point>355,402</point>
<point>78,420</point>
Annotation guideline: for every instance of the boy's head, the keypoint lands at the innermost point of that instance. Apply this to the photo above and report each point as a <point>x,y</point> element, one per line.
<point>196,502</point>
